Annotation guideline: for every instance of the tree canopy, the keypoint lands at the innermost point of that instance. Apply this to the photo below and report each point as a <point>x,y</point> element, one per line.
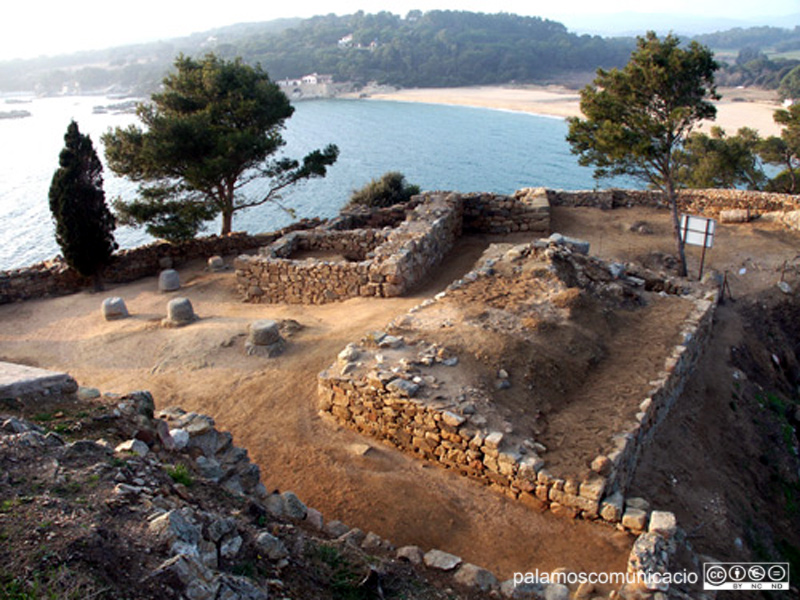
<point>215,128</point>
<point>84,224</point>
<point>784,151</point>
<point>434,48</point>
<point>719,160</point>
<point>637,118</point>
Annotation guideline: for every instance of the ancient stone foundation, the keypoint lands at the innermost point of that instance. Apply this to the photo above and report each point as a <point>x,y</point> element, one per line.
<point>382,262</point>
<point>55,278</point>
<point>396,401</point>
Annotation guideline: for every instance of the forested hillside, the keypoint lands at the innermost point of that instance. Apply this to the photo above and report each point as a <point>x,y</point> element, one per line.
<point>433,49</point>
<point>438,48</point>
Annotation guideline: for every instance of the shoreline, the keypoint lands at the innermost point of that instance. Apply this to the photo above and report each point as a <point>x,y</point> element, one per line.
<point>737,108</point>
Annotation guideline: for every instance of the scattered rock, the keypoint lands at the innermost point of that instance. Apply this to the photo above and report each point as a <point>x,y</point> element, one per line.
<point>353,537</point>
<point>556,591</point>
<point>88,393</point>
<point>180,437</point>
<point>443,561</point>
<point>349,354</point>
<point>475,577</point>
<point>137,447</point>
<point>403,387</point>
<point>14,425</point>
<point>271,546</point>
<point>336,528</point>
<point>359,449</point>
<point>784,287</point>
<point>412,554</point>
<point>293,506</point>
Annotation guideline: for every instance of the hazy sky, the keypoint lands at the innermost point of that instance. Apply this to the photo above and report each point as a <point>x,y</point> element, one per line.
<point>33,27</point>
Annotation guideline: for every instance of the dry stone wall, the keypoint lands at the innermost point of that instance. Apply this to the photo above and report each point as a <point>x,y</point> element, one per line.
<point>386,263</point>
<point>55,278</point>
<point>527,210</point>
<point>386,403</point>
<point>706,202</point>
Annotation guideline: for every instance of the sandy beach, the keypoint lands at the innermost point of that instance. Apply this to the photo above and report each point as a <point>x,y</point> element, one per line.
<point>737,108</point>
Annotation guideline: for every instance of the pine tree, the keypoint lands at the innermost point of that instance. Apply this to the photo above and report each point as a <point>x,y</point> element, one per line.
<point>84,224</point>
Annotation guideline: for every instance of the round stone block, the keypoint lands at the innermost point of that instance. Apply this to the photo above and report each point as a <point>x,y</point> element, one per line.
<point>216,264</point>
<point>264,333</point>
<point>169,281</point>
<point>114,308</point>
<point>180,312</point>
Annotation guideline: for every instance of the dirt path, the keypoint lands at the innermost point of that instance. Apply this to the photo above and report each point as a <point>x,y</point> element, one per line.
<point>270,406</point>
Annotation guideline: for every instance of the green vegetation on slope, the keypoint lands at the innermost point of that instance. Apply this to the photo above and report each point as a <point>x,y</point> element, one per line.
<point>437,48</point>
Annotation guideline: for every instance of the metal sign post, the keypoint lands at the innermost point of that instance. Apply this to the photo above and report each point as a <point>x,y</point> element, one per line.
<point>698,231</point>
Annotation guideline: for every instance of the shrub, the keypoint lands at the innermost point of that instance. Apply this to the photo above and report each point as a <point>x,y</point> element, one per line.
<point>392,188</point>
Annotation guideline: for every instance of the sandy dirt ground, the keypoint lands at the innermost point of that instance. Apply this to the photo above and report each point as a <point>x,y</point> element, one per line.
<point>737,108</point>
<point>270,404</point>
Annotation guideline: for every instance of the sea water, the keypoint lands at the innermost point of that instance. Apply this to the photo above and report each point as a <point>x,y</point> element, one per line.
<point>436,147</point>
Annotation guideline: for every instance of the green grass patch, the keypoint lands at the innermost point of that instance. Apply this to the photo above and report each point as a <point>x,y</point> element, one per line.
<point>180,474</point>
<point>344,577</point>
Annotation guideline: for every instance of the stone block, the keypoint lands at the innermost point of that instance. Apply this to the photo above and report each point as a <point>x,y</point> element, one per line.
<point>634,519</point>
<point>663,523</point>
<point>169,281</point>
<point>114,308</point>
<point>216,264</point>
<point>264,332</point>
<point>611,508</point>
<point>179,313</point>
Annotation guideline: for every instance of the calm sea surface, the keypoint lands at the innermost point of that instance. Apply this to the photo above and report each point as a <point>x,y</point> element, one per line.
<point>436,147</point>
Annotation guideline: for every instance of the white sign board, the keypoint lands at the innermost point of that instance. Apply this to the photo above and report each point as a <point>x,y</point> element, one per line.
<point>698,231</point>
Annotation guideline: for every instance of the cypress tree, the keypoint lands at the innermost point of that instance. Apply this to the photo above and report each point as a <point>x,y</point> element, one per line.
<point>84,224</point>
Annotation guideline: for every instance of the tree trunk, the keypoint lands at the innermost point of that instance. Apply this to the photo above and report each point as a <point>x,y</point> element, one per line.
<point>672,197</point>
<point>227,222</point>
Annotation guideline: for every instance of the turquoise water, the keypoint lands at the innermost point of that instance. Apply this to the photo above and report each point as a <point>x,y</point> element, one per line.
<point>437,147</point>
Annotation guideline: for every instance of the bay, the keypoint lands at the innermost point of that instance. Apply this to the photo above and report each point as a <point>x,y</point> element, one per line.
<point>437,147</point>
